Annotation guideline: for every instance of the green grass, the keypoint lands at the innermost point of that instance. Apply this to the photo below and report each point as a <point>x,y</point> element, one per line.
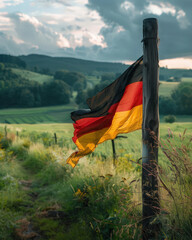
<point>57,114</point>
<point>99,202</point>
<point>166,88</point>
<point>186,79</point>
<point>132,144</point>
<point>32,76</point>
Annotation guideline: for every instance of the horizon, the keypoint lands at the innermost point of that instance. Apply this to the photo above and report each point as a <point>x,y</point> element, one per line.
<point>93,30</point>
<point>167,63</point>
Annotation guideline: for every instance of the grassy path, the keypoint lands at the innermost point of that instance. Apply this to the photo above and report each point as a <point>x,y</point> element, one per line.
<point>39,220</point>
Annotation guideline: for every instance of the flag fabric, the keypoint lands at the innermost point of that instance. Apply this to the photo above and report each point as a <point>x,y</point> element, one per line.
<point>114,110</point>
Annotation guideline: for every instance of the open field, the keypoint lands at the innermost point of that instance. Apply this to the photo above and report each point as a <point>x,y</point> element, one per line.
<point>32,76</point>
<point>186,79</point>
<point>37,115</point>
<point>132,143</point>
<point>166,88</point>
<point>53,114</point>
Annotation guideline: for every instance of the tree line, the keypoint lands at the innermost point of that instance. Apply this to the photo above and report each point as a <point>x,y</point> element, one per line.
<point>16,91</point>
<point>12,61</point>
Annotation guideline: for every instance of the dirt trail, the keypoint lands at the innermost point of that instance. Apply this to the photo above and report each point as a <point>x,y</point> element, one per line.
<point>25,229</point>
<point>37,221</point>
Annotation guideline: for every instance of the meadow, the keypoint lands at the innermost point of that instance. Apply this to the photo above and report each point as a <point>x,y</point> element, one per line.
<point>37,115</point>
<point>32,76</point>
<point>44,198</point>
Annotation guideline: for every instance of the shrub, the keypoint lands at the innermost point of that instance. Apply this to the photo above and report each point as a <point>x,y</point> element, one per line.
<point>5,143</point>
<point>170,118</point>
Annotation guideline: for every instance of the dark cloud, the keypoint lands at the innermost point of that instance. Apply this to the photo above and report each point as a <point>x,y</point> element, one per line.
<point>175,30</point>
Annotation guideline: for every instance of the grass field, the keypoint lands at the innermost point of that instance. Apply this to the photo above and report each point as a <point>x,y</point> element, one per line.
<point>64,132</point>
<point>32,76</point>
<point>53,114</point>
<point>37,115</point>
<point>166,88</point>
<point>186,79</point>
<point>43,196</point>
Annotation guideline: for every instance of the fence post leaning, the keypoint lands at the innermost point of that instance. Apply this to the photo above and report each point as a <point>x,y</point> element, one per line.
<point>114,153</point>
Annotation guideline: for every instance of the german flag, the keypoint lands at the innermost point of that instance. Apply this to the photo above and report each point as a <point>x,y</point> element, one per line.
<point>114,110</point>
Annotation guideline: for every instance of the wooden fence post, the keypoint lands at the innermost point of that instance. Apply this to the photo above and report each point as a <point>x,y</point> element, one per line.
<point>55,137</point>
<point>150,129</point>
<point>114,153</point>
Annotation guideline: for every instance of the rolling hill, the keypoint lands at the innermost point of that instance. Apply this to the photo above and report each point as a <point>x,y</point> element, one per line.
<point>32,76</point>
<point>70,64</point>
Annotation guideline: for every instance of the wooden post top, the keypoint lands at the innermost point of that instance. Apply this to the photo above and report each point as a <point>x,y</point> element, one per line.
<point>150,28</point>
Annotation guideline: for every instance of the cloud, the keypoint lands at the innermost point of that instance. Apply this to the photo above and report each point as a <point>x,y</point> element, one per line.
<point>175,29</point>
<point>27,34</point>
<point>63,42</point>
<point>5,3</point>
<point>5,23</point>
<point>77,28</point>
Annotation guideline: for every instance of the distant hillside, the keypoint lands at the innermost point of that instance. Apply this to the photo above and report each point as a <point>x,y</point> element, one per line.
<point>72,64</point>
<point>47,64</point>
<point>11,61</point>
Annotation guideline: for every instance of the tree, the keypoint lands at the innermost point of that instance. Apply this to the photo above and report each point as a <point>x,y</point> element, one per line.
<point>108,77</point>
<point>166,105</point>
<point>2,67</point>
<point>81,99</point>
<point>27,98</point>
<point>97,88</point>
<point>70,77</point>
<point>78,86</point>
<point>182,97</point>
<point>56,92</point>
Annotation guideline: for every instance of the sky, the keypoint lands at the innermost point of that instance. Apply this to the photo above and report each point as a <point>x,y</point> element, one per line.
<point>101,30</point>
